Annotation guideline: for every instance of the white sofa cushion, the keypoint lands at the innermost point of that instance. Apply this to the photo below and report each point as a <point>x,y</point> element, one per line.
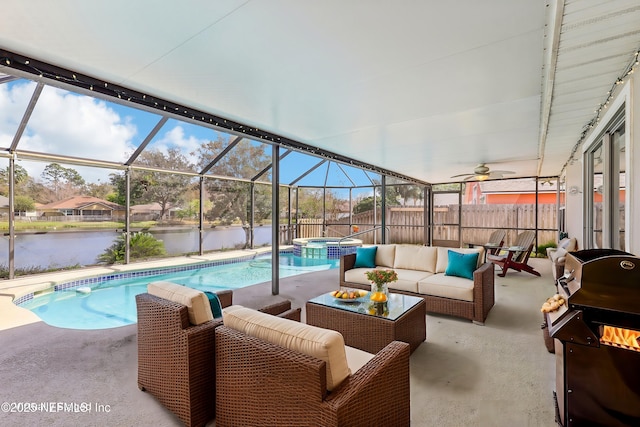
<point>569,244</point>
<point>323,344</point>
<point>357,275</point>
<point>408,279</point>
<point>439,285</point>
<point>196,301</point>
<point>357,358</point>
<point>557,254</point>
<point>385,255</point>
<point>415,257</point>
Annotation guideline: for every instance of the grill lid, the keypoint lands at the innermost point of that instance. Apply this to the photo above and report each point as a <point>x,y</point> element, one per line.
<point>611,283</point>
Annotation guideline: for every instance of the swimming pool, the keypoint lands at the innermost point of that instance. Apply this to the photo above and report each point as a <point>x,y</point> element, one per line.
<point>111,303</point>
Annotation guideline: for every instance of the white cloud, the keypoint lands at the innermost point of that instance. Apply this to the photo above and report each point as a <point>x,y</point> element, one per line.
<point>175,138</point>
<point>68,124</point>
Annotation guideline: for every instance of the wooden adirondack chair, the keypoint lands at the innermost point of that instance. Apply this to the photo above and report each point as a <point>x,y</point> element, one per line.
<point>516,256</point>
<point>496,240</point>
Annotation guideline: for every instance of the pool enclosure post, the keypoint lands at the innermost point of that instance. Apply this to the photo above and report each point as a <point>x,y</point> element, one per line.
<point>375,214</point>
<point>12,210</point>
<point>383,209</point>
<point>127,215</point>
<point>275,221</point>
<point>297,233</point>
<point>252,213</point>
<point>289,219</point>
<point>201,217</point>
<point>324,208</point>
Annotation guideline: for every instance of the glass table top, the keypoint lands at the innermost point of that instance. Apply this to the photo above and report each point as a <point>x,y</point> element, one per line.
<point>396,305</point>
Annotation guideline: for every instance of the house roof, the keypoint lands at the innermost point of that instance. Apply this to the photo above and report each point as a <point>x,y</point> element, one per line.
<point>80,202</point>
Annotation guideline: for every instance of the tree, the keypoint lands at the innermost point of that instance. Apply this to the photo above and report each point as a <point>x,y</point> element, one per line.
<point>310,203</point>
<point>61,178</point>
<point>231,199</point>
<point>409,192</point>
<point>101,190</point>
<point>20,176</point>
<point>23,204</point>
<point>366,203</point>
<point>164,188</point>
<point>118,183</point>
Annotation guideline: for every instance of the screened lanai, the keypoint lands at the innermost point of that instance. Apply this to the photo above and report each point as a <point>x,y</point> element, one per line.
<point>84,169</point>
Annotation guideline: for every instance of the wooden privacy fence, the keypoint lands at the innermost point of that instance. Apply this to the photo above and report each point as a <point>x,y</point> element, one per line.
<point>406,224</point>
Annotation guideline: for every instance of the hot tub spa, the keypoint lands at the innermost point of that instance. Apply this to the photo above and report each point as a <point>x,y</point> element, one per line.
<point>324,247</point>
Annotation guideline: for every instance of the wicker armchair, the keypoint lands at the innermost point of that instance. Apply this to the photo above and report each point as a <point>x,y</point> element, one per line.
<point>259,383</point>
<point>176,359</point>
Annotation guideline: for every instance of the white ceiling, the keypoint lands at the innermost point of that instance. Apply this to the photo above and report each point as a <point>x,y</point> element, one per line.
<point>425,88</point>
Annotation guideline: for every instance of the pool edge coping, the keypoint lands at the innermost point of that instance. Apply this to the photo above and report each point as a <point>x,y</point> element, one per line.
<point>12,315</point>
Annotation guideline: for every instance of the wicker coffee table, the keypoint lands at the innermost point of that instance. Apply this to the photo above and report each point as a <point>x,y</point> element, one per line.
<point>368,326</point>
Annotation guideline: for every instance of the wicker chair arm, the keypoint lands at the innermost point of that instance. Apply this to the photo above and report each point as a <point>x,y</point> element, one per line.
<point>347,262</point>
<point>263,383</point>
<point>382,383</point>
<point>293,314</point>
<point>483,291</point>
<point>276,308</point>
<point>282,309</point>
<point>225,297</point>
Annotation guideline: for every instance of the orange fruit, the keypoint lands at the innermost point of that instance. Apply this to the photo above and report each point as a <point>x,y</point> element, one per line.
<point>378,297</point>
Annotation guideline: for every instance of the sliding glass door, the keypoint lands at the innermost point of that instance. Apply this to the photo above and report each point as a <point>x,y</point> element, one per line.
<point>605,188</point>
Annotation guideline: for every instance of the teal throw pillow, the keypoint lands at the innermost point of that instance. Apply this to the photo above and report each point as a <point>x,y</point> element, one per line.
<point>366,257</point>
<point>461,265</point>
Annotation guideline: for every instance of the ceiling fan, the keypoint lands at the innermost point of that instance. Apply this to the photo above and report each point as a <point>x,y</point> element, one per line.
<point>482,173</point>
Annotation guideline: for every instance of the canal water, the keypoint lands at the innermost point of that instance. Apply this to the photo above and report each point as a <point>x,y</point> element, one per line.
<point>65,249</point>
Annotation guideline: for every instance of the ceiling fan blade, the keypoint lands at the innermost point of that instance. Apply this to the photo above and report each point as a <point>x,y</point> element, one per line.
<point>462,174</point>
<point>502,172</point>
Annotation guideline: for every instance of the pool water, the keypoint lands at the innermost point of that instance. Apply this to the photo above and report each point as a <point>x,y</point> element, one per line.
<point>111,304</point>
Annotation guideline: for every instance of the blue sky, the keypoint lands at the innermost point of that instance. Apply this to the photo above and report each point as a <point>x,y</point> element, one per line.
<point>67,123</point>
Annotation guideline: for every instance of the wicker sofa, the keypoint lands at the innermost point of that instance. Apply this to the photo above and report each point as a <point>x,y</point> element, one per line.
<point>176,350</point>
<point>276,372</point>
<point>423,271</point>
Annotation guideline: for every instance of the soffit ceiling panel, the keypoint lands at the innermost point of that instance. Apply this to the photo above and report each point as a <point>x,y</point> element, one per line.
<point>332,74</point>
<point>427,89</point>
<point>597,42</point>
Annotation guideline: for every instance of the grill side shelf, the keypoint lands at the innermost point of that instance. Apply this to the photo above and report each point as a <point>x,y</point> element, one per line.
<point>572,328</point>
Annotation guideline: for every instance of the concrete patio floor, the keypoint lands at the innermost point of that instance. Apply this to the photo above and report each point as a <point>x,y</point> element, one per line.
<point>499,374</point>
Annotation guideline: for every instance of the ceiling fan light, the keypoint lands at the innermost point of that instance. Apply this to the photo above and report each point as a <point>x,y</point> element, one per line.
<point>483,177</point>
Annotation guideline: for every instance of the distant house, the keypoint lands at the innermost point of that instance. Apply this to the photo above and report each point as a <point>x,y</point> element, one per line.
<point>4,205</point>
<point>509,192</point>
<point>83,208</point>
<point>151,212</point>
<point>146,212</point>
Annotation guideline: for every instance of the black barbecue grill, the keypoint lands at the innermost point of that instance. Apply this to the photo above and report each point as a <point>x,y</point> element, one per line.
<point>598,381</point>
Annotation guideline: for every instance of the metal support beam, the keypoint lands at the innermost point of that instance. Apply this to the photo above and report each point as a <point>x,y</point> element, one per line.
<point>221,155</point>
<point>383,209</point>
<point>26,116</point>
<point>127,217</point>
<point>147,140</point>
<point>201,218</point>
<point>252,212</point>
<point>427,218</point>
<point>297,233</point>
<point>12,210</point>
<point>275,222</point>
<point>289,219</point>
